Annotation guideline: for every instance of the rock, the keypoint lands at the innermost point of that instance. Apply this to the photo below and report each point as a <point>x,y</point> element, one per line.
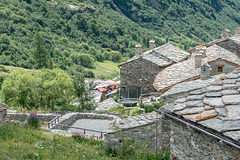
<point>213,123</point>
<point>193,110</point>
<point>213,94</point>
<point>233,112</point>
<point>229,92</point>
<point>222,112</point>
<point>207,107</point>
<point>182,100</point>
<point>234,134</point>
<point>229,81</point>
<point>214,88</point>
<point>195,97</point>
<point>214,102</point>
<point>194,104</point>
<point>232,76</point>
<point>229,86</point>
<point>204,115</point>
<point>231,99</point>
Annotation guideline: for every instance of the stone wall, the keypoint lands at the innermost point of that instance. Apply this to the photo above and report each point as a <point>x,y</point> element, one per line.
<point>136,74</point>
<point>192,144</point>
<point>3,114</point>
<point>156,134</point>
<point>231,46</point>
<point>227,67</point>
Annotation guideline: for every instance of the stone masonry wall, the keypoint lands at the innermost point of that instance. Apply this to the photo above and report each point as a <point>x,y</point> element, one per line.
<point>227,67</point>
<point>231,46</point>
<point>132,72</point>
<point>192,144</point>
<point>157,133</point>
<point>3,114</point>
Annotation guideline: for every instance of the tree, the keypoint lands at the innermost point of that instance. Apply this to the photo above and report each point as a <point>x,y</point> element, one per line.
<point>57,85</point>
<point>37,89</point>
<point>82,93</point>
<point>40,54</point>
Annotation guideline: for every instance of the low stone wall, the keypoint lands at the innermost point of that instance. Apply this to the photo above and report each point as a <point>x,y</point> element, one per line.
<point>192,144</point>
<point>43,117</point>
<point>156,134</point>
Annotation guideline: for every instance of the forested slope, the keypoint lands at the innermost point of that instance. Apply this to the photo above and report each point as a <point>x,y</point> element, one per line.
<point>76,33</point>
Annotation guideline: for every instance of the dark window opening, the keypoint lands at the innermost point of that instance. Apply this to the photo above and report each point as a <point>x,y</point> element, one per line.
<point>220,69</point>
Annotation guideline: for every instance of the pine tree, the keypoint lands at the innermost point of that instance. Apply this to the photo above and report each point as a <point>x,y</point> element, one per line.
<point>40,54</point>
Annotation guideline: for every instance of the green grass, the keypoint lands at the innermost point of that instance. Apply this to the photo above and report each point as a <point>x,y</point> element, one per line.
<point>19,142</point>
<point>106,70</point>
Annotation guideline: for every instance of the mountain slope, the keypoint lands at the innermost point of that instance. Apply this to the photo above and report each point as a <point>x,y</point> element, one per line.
<point>106,29</point>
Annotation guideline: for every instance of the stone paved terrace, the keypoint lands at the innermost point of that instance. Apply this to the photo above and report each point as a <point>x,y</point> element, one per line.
<point>186,70</point>
<point>216,107</point>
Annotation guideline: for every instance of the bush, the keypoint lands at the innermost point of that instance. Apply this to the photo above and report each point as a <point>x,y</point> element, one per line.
<point>150,108</point>
<point>33,120</point>
<point>132,148</point>
<point>20,116</point>
<point>134,112</point>
<point>81,138</point>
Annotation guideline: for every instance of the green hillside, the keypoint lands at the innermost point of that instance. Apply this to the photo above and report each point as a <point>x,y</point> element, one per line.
<point>76,34</point>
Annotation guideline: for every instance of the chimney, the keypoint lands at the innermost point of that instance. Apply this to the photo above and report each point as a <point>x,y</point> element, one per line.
<point>205,71</point>
<point>152,44</point>
<point>138,49</point>
<point>202,50</point>
<point>237,32</point>
<point>225,33</point>
<point>198,59</point>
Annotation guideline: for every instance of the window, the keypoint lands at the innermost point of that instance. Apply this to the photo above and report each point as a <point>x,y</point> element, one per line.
<point>220,68</point>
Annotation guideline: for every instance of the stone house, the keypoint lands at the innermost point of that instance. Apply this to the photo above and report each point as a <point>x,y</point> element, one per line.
<point>203,62</point>
<point>206,123</point>
<point>3,113</point>
<point>203,125</point>
<point>227,41</point>
<point>138,73</point>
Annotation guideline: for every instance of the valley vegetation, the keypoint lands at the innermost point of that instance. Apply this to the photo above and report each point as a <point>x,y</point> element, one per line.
<point>51,34</point>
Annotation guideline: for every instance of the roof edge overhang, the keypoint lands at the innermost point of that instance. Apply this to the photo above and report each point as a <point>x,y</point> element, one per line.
<point>211,132</point>
<point>227,61</point>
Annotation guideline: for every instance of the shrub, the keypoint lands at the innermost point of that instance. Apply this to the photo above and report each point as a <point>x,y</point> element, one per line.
<point>134,112</point>
<point>81,138</point>
<point>20,116</point>
<point>33,120</point>
<point>150,108</point>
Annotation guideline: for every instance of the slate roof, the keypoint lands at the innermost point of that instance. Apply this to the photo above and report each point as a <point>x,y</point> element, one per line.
<point>162,56</point>
<point>107,104</point>
<point>234,38</point>
<point>216,107</point>
<point>137,121</point>
<point>186,70</point>
<point>3,106</point>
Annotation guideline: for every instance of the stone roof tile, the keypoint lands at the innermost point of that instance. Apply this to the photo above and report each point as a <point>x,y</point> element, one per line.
<point>137,121</point>
<point>162,56</point>
<point>221,113</point>
<point>186,70</point>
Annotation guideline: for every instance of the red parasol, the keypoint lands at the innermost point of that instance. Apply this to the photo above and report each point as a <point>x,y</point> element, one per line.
<point>114,83</point>
<point>102,89</point>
